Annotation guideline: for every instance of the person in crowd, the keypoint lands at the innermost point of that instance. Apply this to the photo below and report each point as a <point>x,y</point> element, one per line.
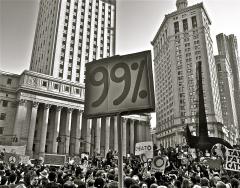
<point>12,180</point>
<point>99,172</point>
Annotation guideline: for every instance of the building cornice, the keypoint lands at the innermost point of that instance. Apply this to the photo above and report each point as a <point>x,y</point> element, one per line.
<point>51,78</point>
<point>9,74</point>
<point>168,16</point>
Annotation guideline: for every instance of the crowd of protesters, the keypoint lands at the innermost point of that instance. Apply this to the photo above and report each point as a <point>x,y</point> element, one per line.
<point>103,173</point>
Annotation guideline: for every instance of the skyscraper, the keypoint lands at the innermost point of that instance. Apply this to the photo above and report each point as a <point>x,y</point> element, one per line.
<point>182,40</point>
<point>70,33</point>
<point>228,67</point>
<point>228,47</point>
<point>226,89</point>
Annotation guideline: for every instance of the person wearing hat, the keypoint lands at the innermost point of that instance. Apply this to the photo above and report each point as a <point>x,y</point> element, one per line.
<point>220,184</point>
<point>43,178</point>
<point>44,174</point>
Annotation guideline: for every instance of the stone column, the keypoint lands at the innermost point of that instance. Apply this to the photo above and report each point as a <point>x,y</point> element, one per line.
<point>143,130</point>
<point>44,130</point>
<point>56,128</point>
<point>115,134</point>
<point>67,129</point>
<point>139,132</point>
<point>78,132</point>
<point>19,120</point>
<point>98,136</point>
<point>132,135</point>
<point>124,136</point>
<point>32,128</point>
<point>107,135</point>
<point>148,129</point>
<point>88,136</point>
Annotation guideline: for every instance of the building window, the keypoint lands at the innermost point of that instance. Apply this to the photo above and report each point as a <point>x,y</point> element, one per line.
<point>5,103</point>
<point>2,116</point>
<point>67,89</point>
<point>176,27</point>
<point>1,130</point>
<point>185,25</point>
<point>55,86</point>
<point>9,81</point>
<point>219,67</point>
<point>194,21</point>
<point>77,91</point>
<point>44,84</point>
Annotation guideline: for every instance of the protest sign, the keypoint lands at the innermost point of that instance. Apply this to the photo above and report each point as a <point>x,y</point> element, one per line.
<point>158,164</point>
<point>20,150</point>
<point>54,159</point>
<point>24,159</point>
<point>144,148</point>
<point>232,160</point>
<point>11,158</point>
<point>214,164</point>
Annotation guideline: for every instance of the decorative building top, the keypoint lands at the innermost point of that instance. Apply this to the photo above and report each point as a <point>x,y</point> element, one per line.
<point>181,4</point>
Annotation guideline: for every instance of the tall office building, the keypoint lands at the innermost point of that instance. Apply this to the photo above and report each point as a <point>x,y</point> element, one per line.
<point>182,40</point>
<point>70,33</point>
<point>226,89</point>
<point>228,47</point>
<point>45,105</point>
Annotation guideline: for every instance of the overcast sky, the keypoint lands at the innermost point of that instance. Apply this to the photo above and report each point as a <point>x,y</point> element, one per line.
<point>137,24</point>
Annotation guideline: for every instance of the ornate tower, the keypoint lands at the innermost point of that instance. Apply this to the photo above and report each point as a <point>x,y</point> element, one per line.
<point>181,4</point>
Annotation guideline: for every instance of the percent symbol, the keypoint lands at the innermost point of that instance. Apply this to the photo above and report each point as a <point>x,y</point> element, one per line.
<point>142,93</point>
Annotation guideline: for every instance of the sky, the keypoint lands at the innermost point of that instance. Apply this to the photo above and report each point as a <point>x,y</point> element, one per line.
<point>137,23</point>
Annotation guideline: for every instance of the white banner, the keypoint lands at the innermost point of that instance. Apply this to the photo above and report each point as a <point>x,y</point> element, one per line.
<point>232,160</point>
<point>145,148</point>
<point>20,150</point>
<point>24,159</point>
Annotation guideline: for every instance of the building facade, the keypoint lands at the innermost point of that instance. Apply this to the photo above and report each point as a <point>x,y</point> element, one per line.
<point>228,47</point>
<point>70,33</point>
<point>226,89</point>
<point>39,110</point>
<point>47,102</point>
<point>182,40</point>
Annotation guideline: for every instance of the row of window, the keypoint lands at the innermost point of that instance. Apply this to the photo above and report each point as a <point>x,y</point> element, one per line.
<point>57,87</point>
<point>185,24</point>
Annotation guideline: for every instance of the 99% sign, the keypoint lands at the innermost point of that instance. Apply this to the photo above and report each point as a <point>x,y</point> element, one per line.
<point>120,84</point>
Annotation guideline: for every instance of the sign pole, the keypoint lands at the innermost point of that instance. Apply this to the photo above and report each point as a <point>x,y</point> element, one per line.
<point>120,154</point>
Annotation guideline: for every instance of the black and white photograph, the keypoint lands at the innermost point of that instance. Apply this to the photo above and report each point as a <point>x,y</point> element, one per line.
<point>119,94</point>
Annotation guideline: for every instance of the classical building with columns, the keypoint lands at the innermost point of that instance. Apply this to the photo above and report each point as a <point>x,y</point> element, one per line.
<point>45,105</point>
<point>36,110</point>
